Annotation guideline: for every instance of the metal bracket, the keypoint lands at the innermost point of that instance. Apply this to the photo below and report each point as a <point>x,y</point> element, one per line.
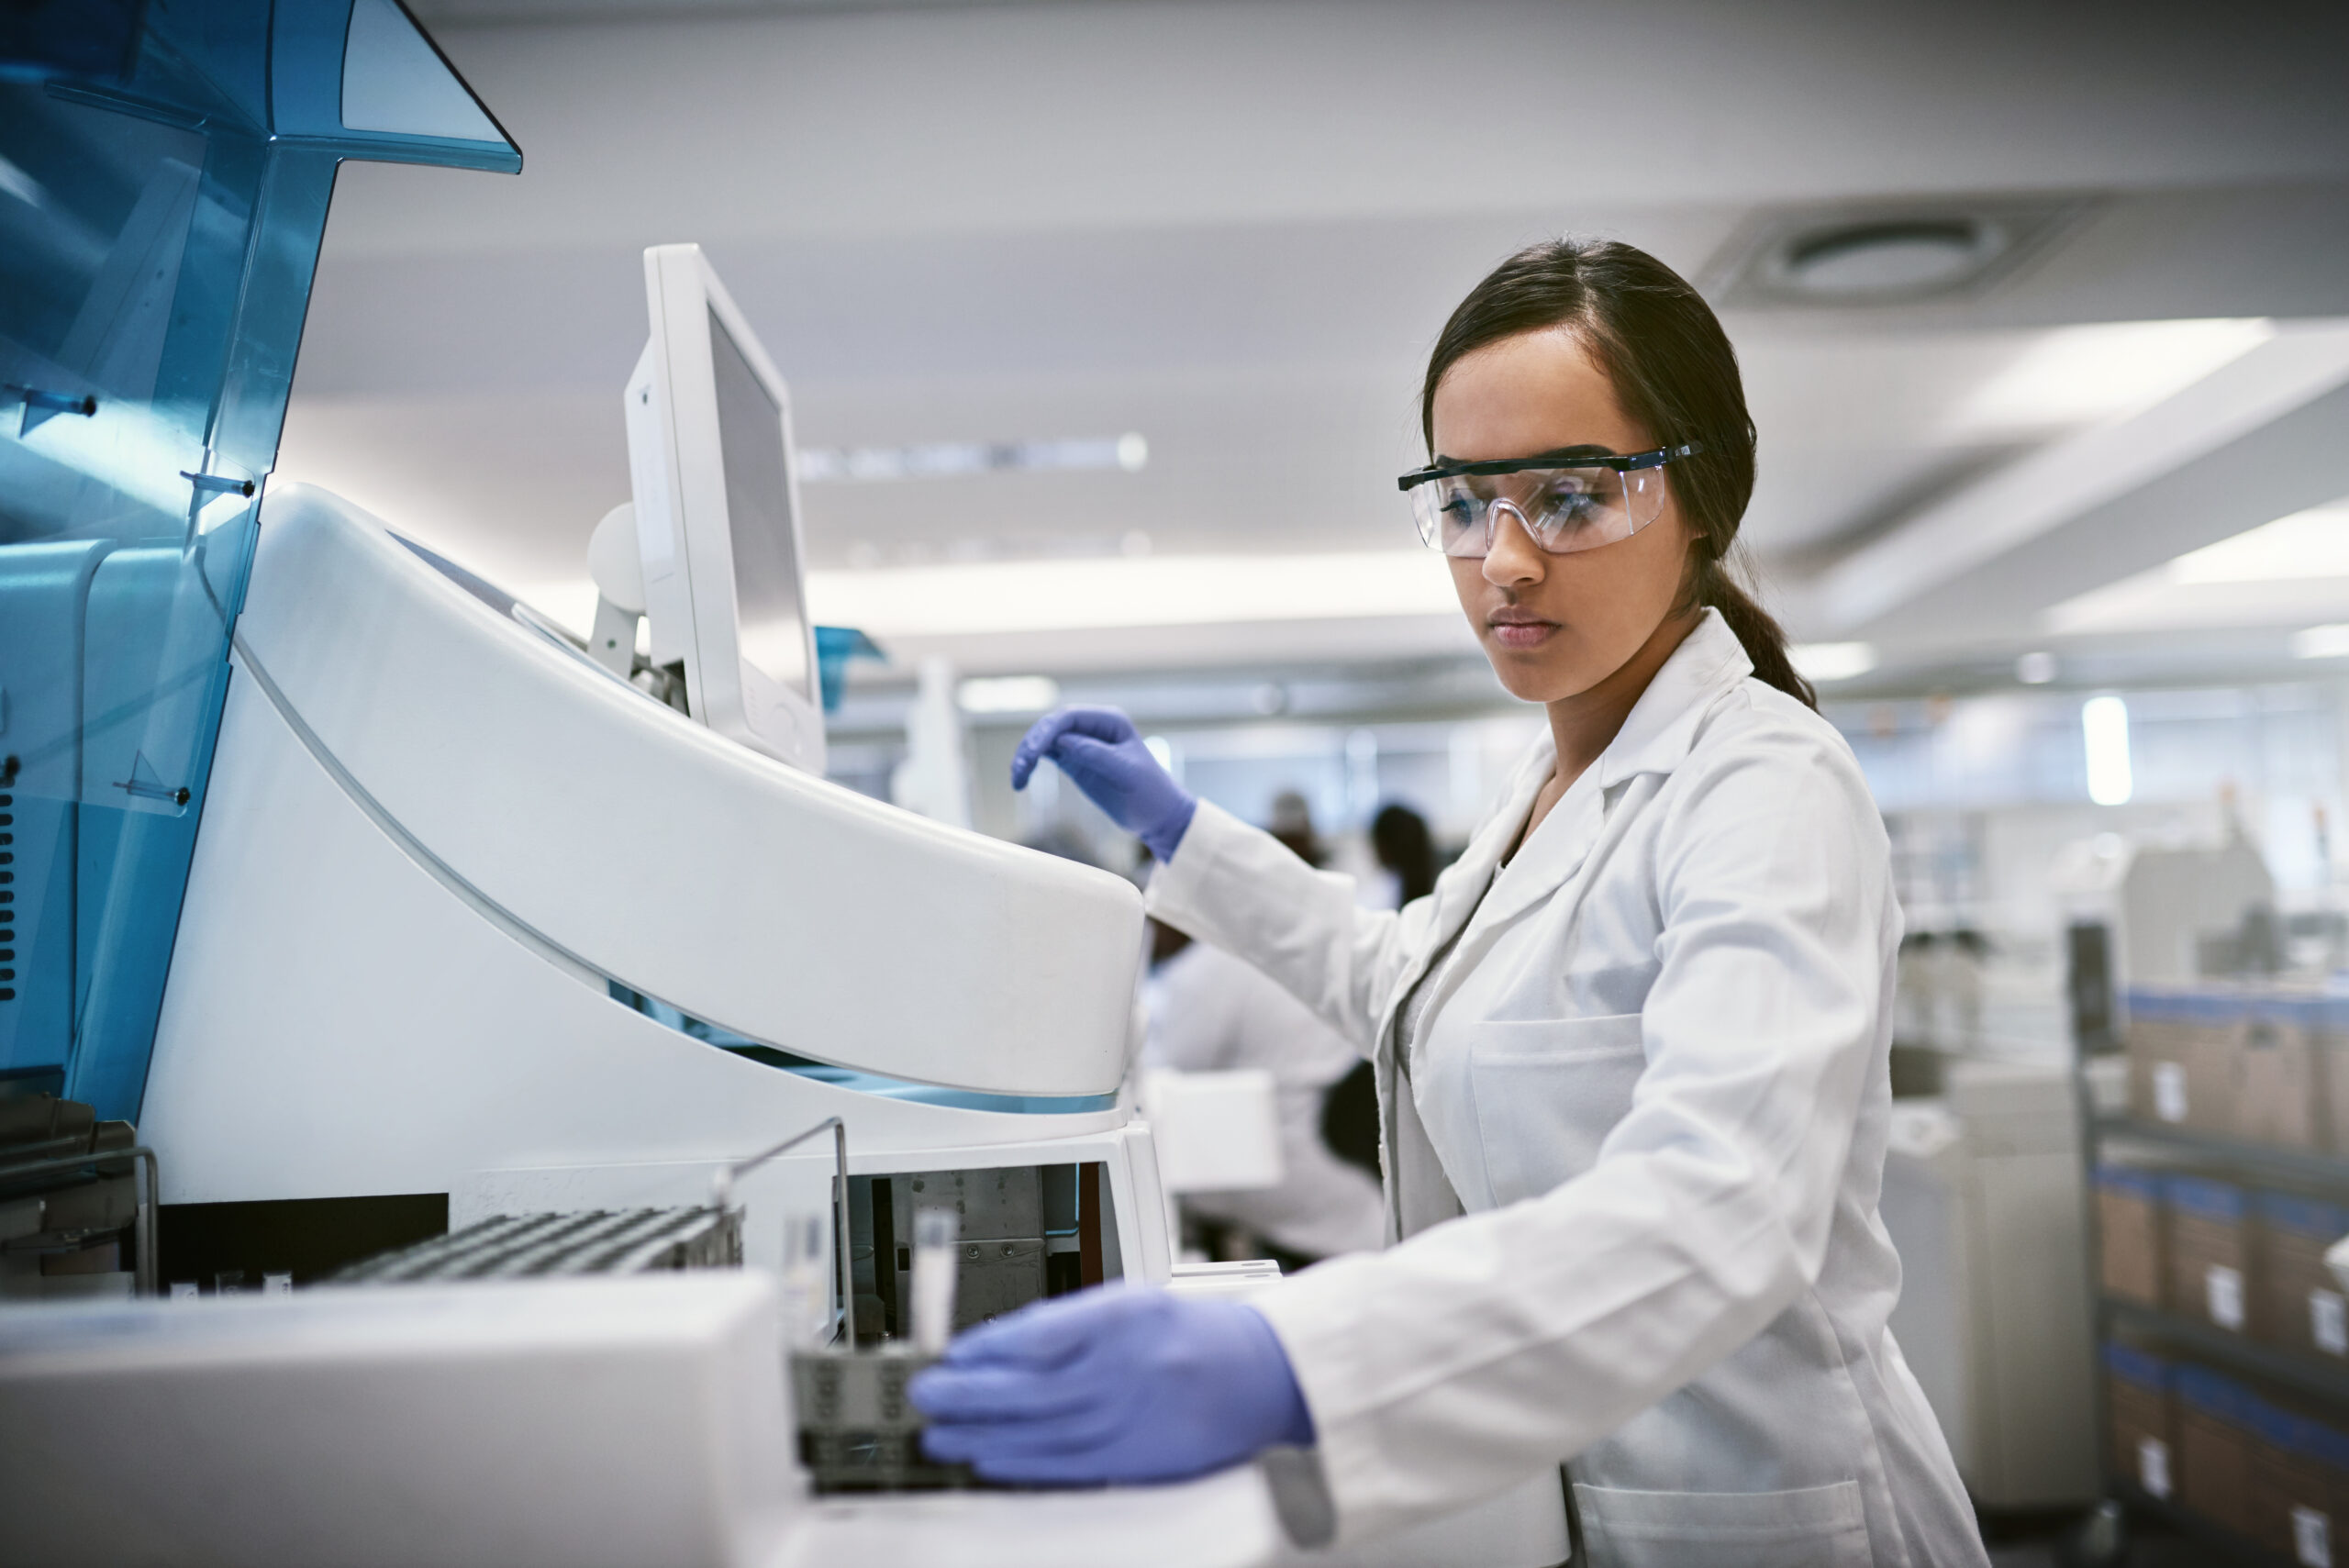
<point>721,1197</point>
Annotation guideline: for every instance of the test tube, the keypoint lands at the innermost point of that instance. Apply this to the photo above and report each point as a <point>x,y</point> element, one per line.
<point>806,1277</point>
<point>935,1232</point>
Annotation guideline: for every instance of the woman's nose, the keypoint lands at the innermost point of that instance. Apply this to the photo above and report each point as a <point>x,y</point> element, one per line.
<point>1511,557</point>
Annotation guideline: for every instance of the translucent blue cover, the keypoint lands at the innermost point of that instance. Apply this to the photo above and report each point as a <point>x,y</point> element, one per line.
<point>164,181</point>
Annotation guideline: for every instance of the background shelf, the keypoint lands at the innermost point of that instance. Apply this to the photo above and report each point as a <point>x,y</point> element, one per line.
<point>2300,1166</point>
<point>2301,1374</point>
<point>2217,1539</point>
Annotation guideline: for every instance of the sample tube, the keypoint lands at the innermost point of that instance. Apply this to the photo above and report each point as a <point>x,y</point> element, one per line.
<point>806,1278</point>
<point>936,1230</point>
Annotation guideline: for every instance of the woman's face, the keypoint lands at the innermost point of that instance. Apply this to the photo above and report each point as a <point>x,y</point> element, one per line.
<point>1553,625</point>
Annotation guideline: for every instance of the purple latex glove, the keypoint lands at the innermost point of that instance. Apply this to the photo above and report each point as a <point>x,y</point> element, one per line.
<point>1116,1385</point>
<point>1098,748</point>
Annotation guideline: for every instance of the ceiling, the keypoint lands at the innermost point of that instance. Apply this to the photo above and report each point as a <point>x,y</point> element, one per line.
<point>1236,228</point>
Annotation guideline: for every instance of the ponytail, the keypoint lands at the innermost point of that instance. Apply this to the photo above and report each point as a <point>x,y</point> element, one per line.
<point>1675,373</point>
<point>1757,630</point>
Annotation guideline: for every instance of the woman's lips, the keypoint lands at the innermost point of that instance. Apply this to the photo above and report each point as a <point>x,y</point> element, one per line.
<point>1520,632</point>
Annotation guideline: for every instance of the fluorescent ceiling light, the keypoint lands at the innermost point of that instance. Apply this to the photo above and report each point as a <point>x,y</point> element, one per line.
<point>1130,590</point>
<point>2104,727</point>
<point>2036,669</point>
<point>1825,662</point>
<point>2322,642</point>
<point>2084,375</point>
<point>1009,694</point>
<point>2289,570</point>
<point>2315,543</point>
<point>952,459</point>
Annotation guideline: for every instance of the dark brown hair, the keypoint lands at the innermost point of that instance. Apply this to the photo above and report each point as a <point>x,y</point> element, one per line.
<point>1674,374</point>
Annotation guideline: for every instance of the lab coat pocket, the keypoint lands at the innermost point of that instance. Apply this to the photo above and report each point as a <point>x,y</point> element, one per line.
<point>1548,1092</point>
<point>1815,1527</point>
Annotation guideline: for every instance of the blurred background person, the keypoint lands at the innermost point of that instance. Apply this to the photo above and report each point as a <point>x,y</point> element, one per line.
<point>1400,837</point>
<point>1212,1012</point>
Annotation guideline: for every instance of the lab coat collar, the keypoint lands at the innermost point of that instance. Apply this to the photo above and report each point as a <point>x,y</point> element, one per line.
<point>1656,736</point>
<point>1662,724</point>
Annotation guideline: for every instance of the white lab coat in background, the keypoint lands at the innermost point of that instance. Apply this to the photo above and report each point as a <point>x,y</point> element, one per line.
<point>1210,1012</point>
<point>1654,1073</point>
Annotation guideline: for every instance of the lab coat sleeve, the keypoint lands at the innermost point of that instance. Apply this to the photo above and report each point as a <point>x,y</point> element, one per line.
<point>1495,1346</point>
<point>1244,891</point>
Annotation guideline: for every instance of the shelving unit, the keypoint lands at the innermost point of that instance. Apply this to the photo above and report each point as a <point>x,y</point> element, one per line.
<point>2321,1384</point>
<point>2235,1352</point>
<point>2294,1167</point>
<point>2216,1538</point>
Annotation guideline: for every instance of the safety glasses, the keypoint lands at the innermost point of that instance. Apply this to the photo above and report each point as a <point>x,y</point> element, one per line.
<point>1566,500</point>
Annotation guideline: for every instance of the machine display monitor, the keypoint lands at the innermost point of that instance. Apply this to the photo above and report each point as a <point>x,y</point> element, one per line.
<point>768,618</point>
<point>717,515</point>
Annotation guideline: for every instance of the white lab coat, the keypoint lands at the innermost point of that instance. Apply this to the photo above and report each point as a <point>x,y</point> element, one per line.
<point>1210,1012</point>
<point>1654,1073</point>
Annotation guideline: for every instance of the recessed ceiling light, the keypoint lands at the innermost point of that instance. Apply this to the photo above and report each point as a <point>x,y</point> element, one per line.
<point>2104,727</point>
<point>1867,261</point>
<point>2035,669</point>
<point>1008,694</point>
<point>1128,454</point>
<point>1826,662</point>
<point>1085,593</point>
<point>1872,253</point>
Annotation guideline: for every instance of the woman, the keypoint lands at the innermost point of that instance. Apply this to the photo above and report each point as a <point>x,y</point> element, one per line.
<point>1631,1052</point>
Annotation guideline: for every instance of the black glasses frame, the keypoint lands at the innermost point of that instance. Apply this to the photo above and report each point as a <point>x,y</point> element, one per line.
<point>1564,457</point>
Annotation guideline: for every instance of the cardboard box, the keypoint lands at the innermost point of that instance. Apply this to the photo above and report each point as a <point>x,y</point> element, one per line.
<point>2326,1019</point>
<point>2156,1041</point>
<point>2209,1249</point>
<point>2298,1470</point>
<point>2185,1049</point>
<point>2145,1427</point>
<point>2276,1097</point>
<point>2129,1233</point>
<point>2215,1436</point>
<point>2296,1302</point>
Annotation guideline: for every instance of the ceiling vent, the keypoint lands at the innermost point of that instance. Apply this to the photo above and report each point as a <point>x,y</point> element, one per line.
<point>1881,255</point>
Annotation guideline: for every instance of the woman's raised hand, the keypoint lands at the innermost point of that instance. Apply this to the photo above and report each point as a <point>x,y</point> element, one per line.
<point>1103,755</point>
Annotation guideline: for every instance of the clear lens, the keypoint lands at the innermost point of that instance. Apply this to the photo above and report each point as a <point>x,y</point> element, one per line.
<point>1564,509</point>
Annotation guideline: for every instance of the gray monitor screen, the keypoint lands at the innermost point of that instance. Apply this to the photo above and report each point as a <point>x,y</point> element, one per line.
<point>770,624</point>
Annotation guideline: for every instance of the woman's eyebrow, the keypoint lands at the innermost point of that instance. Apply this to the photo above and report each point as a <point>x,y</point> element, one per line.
<point>1585,449</point>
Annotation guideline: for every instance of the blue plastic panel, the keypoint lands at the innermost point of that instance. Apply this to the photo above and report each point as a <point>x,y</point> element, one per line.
<point>163,190</point>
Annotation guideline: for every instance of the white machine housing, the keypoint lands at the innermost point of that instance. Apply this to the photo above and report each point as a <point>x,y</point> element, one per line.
<point>440,843</point>
<point>583,1423</point>
<point>739,626</point>
<point>438,834</point>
